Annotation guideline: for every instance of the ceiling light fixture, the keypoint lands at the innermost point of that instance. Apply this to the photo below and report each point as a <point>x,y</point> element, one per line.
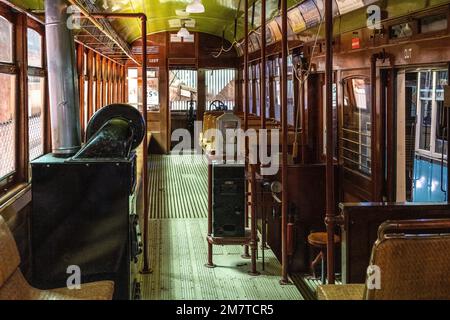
<point>195,6</point>
<point>183,33</point>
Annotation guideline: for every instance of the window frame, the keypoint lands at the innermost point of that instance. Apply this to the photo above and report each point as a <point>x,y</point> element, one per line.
<point>39,72</point>
<point>342,159</point>
<point>11,68</point>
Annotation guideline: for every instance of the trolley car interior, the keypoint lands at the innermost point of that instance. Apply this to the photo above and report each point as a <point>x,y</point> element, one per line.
<point>224,150</point>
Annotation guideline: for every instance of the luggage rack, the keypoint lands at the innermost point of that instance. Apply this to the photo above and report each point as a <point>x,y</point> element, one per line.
<point>250,240</point>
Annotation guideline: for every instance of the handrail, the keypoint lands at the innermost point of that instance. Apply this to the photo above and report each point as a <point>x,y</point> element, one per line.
<point>408,225</point>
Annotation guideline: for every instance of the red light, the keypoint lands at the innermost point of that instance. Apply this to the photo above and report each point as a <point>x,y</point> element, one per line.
<point>356,43</point>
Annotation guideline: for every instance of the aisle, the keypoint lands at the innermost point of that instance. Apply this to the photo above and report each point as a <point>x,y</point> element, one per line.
<point>178,248</point>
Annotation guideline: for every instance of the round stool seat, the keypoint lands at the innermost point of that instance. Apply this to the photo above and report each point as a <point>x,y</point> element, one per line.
<point>319,239</point>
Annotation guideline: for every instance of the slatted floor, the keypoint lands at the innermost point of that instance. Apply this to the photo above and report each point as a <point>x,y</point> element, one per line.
<point>178,186</point>
<point>178,249</point>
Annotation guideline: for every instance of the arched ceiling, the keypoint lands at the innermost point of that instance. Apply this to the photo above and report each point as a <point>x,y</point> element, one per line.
<point>220,15</point>
<point>218,19</point>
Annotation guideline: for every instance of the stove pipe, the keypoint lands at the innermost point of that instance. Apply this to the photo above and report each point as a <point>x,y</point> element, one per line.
<point>62,80</point>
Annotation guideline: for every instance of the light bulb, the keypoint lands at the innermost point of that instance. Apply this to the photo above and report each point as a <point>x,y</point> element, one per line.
<point>195,6</point>
<point>183,33</point>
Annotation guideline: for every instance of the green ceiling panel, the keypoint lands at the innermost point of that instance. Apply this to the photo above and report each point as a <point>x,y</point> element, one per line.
<point>220,15</point>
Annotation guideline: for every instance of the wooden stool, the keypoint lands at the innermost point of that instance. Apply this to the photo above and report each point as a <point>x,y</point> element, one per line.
<point>319,240</point>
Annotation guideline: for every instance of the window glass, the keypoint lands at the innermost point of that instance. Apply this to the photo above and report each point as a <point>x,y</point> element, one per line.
<point>7,125</point>
<point>133,86</point>
<point>86,102</point>
<point>257,90</point>
<point>426,109</point>
<point>441,121</point>
<point>433,23</point>
<point>356,128</point>
<point>290,93</point>
<point>250,90</point>
<point>5,40</point>
<point>34,49</point>
<point>220,85</point>
<point>36,87</point>
<point>183,89</point>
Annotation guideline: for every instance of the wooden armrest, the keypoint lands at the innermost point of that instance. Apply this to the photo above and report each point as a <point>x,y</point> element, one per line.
<point>341,292</point>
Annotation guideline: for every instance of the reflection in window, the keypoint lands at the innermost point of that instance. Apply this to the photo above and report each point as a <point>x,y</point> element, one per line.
<point>7,125</point>
<point>356,127</point>
<point>5,40</point>
<point>36,87</point>
<point>34,49</point>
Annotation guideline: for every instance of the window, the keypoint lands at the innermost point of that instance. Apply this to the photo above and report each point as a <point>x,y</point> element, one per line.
<point>133,86</point>
<point>290,92</point>
<point>403,30</point>
<point>34,49</point>
<point>431,129</point>
<point>221,85</point>
<point>36,102</point>
<point>134,89</point>
<point>36,95</point>
<point>182,89</point>
<point>257,90</point>
<point>7,125</point>
<point>433,23</point>
<point>8,105</point>
<point>276,89</point>
<point>250,90</point>
<point>356,128</point>
<point>6,45</point>
<point>268,66</point>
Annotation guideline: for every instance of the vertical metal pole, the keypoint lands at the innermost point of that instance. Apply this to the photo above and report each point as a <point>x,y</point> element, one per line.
<point>254,236</point>
<point>210,263</point>
<point>285,147</point>
<point>330,214</point>
<point>146,267</point>
<point>262,83</point>
<point>448,141</point>
<point>262,73</point>
<point>246,107</point>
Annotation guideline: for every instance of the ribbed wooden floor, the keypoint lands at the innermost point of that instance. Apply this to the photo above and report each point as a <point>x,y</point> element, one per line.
<point>178,248</point>
<point>178,187</point>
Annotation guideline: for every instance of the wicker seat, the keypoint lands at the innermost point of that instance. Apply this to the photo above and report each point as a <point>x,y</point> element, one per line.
<point>13,285</point>
<point>319,240</point>
<point>410,266</point>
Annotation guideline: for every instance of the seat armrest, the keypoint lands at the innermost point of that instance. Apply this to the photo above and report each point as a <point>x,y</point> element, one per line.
<point>341,292</point>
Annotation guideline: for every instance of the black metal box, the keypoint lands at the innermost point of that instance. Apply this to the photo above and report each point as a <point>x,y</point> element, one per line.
<point>228,200</point>
<point>84,215</point>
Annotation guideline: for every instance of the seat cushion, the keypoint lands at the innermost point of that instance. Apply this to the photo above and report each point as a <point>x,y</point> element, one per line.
<point>17,288</point>
<point>102,290</point>
<point>319,239</point>
<point>9,255</point>
<point>341,292</point>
